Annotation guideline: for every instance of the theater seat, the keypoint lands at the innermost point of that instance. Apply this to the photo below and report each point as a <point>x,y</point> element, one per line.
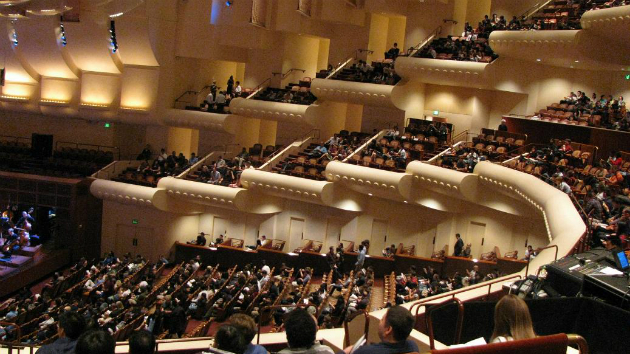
<point>553,344</point>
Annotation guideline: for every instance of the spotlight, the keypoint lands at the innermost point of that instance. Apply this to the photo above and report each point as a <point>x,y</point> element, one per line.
<point>229,3</point>
<point>64,41</point>
<point>112,36</point>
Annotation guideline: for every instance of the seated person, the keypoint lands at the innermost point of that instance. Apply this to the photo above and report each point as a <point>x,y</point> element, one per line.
<point>230,338</point>
<point>512,320</point>
<point>301,331</point>
<point>201,239</point>
<point>393,330</point>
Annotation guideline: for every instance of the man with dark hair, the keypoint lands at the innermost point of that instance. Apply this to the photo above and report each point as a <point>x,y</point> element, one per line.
<point>247,326</point>
<point>201,239</point>
<point>231,339</point>
<point>70,327</point>
<point>393,330</point>
<point>95,342</point>
<point>142,342</point>
<point>459,246</point>
<point>301,331</point>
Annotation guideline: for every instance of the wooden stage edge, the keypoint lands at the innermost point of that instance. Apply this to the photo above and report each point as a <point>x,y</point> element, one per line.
<point>43,264</point>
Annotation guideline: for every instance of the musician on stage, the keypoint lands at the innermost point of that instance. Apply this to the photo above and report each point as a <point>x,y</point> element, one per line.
<point>25,221</point>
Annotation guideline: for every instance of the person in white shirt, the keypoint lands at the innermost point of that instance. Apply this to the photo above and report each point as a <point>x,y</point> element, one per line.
<point>209,100</point>
<point>238,89</point>
<point>265,268</point>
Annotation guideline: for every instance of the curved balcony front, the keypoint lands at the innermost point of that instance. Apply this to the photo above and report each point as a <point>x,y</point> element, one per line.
<point>353,92</point>
<point>221,123</point>
<point>140,196</point>
<point>563,222</point>
<point>128,194</point>
<point>563,48</point>
<point>443,72</point>
<point>302,189</point>
<point>612,24</point>
<point>275,111</point>
<point>218,196</point>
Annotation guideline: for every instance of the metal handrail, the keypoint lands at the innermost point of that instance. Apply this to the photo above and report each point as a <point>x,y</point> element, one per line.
<point>542,249</point>
<point>284,75</point>
<point>460,319</point>
<point>258,88</point>
<point>463,290</point>
<point>464,133</point>
<point>17,327</point>
<point>366,144</point>
<point>98,147</point>
<point>579,341</point>
<point>529,15</point>
<point>436,157</point>
<point>346,329</point>
<point>342,65</point>
<point>426,41</point>
<point>191,91</point>
<point>312,134</point>
<point>17,138</point>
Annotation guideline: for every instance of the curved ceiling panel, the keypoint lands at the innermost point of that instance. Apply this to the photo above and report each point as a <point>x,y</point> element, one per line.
<point>88,43</point>
<point>38,43</point>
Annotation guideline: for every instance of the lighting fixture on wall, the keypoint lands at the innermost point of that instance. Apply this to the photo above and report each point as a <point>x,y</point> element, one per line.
<point>229,3</point>
<point>14,36</point>
<point>64,42</point>
<point>112,36</point>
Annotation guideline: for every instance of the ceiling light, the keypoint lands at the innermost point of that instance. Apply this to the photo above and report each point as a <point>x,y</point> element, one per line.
<point>538,59</point>
<point>577,61</point>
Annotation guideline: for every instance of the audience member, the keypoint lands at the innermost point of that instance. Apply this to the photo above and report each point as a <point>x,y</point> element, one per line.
<point>393,330</point>
<point>512,320</point>
<point>247,326</point>
<point>70,327</point>
<point>142,342</point>
<point>95,342</point>
<point>301,331</point>
<point>459,246</point>
<point>230,338</point>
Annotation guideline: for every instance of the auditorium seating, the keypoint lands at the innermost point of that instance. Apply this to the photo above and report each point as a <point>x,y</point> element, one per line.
<point>311,162</point>
<point>385,152</point>
<point>294,94</point>
<point>67,162</point>
<point>607,113</point>
<point>378,72</point>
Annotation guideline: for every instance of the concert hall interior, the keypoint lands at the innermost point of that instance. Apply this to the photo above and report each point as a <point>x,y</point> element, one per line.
<point>190,160</point>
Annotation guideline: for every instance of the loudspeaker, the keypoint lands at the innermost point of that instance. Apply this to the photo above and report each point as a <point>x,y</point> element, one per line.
<point>41,145</point>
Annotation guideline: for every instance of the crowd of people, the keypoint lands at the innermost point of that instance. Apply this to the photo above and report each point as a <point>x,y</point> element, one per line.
<point>217,100</point>
<point>301,96</point>
<point>164,165</point>
<point>602,188</point>
<point>600,111</point>
<point>225,173</point>
<point>312,161</point>
<point>375,73</point>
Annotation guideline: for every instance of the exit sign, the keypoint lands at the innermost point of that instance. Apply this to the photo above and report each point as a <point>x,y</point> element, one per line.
<point>436,113</point>
<point>628,77</point>
<point>134,221</point>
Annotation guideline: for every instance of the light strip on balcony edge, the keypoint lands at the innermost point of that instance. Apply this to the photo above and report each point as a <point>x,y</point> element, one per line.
<point>99,106</point>
<point>134,109</point>
<point>14,98</point>
<point>46,102</point>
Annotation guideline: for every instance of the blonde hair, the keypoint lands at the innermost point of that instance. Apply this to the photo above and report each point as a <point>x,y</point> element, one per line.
<point>512,319</point>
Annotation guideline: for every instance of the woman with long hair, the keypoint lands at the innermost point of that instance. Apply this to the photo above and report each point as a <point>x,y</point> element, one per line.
<point>512,320</point>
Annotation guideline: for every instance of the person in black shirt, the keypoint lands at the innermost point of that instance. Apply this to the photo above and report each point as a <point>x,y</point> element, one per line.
<point>459,246</point>
<point>201,239</point>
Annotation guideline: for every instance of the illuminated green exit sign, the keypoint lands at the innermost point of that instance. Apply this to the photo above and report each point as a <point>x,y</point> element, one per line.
<point>134,221</point>
<point>628,77</point>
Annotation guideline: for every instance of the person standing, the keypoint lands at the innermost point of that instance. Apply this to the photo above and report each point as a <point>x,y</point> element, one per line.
<point>360,258</point>
<point>459,246</point>
<point>230,86</point>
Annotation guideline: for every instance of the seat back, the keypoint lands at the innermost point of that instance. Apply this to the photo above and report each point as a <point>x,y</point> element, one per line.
<point>554,344</point>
